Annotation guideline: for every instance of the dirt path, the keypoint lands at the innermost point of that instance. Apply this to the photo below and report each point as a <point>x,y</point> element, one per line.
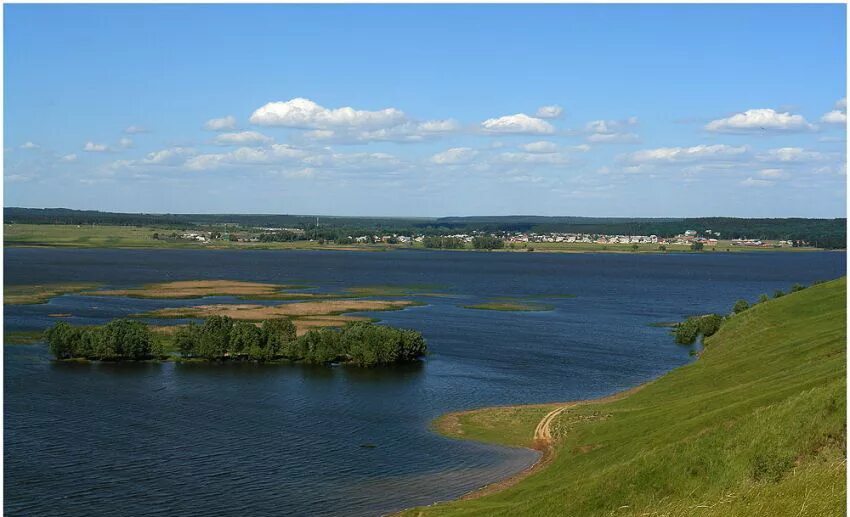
<point>543,432</point>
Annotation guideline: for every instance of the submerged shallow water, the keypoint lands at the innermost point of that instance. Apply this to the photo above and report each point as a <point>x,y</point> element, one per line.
<point>132,439</point>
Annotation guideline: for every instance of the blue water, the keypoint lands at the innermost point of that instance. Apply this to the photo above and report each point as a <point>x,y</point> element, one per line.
<point>238,439</point>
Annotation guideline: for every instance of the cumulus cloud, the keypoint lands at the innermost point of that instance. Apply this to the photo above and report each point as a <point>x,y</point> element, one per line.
<point>454,156</point>
<point>29,145</point>
<point>133,130</point>
<point>838,115</point>
<point>167,157</point>
<point>306,114</point>
<point>69,158</point>
<point>540,147</point>
<point>518,124</point>
<point>553,111</point>
<point>125,143</point>
<point>687,154</point>
<point>92,147</point>
<point>612,131</point>
<point>221,124</point>
<point>834,117</point>
<point>760,120</point>
<point>347,125</point>
<point>243,138</point>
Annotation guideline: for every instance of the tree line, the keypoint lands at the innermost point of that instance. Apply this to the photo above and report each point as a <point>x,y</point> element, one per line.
<point>220,338</point>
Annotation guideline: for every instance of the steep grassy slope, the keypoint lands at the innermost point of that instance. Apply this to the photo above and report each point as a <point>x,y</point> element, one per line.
<point>756,426</point>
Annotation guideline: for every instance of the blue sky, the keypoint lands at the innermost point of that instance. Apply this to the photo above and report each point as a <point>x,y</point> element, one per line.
<point>597,110</point>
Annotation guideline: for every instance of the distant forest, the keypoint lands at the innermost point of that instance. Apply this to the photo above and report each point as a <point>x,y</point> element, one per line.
<point>824,233</point>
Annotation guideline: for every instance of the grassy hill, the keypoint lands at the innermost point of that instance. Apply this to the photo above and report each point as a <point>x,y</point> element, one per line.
<point>756,426</point>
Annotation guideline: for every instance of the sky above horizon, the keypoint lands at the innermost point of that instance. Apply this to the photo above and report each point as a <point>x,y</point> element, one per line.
<point>428,110</point>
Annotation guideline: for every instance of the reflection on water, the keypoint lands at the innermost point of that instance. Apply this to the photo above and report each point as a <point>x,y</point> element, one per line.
<point>224,439</point>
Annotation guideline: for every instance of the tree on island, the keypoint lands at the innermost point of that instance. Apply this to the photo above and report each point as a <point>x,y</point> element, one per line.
<point>219,338</point>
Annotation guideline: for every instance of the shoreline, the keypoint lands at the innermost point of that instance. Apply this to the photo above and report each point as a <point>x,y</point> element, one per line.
<point>408,249</point>
<point>542,440</point>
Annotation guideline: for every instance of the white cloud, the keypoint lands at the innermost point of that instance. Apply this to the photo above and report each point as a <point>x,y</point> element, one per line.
<point>405,132</point>
<point>687,154</point>
<point>69,158</point>
<point>221,124</point>
<point>92,147</point>
<point>756,120</point>
<point>834,117</point>
<point>306,114</point>
<point>517,124</point>
<point>276,153</point>
<point>753,182</point>
<point>243,138</point>
<point>613,138</point>
<point>439,126</point>
<point>371,162</point>
<point>533,158</point>
<point>168,157</point>
<point>540,147</point>
<point>838,115</point>
<point>29,145</point>
<point>772,173</point>
<point>791,154</point>
<point>612,131</point>
<point>454,156</point>
<point>133,130</point>
<point>125,143</point>
<point>553,111</point>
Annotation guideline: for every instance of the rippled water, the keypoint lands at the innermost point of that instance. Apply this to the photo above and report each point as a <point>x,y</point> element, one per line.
<point>128,439</point>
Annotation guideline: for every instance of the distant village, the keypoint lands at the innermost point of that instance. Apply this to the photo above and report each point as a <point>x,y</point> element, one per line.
<point>706,238</point>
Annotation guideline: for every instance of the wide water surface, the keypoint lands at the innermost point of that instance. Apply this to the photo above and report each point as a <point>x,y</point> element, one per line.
<point>239,439</point>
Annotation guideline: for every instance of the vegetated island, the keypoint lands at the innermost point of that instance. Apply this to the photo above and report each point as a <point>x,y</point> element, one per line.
<point>220,338</point>
<point>33,294</point>
<point>755,426</point>
<point>510,306</point>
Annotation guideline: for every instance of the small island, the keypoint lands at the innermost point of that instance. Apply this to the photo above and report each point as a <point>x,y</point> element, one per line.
<point>220,338</point>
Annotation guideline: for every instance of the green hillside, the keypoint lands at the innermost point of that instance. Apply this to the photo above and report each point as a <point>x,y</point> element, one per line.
<point>756,426</point>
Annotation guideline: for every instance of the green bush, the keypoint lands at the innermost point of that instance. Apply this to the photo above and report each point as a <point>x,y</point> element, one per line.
<point>688,331</point>
<point>740,306</point>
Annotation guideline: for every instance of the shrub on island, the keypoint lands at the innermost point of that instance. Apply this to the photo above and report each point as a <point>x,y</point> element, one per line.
<point>219,338</point>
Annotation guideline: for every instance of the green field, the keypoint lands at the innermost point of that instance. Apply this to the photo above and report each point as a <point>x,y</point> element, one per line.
<point>755,427</point>
<point>107,236</point>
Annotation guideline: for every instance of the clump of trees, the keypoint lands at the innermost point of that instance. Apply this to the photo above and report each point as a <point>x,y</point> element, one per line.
<point>219,338</point>
<point>358,343</point>
<point>487,242</point>
<point>693,327</point>
<point>117,340</point>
